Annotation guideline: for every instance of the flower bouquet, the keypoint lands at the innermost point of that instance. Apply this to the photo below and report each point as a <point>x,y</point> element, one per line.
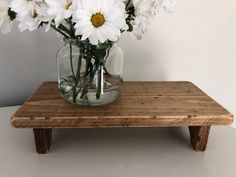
<point>90,63</point>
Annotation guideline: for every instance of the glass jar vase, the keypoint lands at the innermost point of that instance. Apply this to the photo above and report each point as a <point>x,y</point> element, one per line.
<point>89,75</point>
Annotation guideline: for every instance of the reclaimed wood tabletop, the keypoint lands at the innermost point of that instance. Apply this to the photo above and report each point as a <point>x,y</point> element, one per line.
<point>141,104</point>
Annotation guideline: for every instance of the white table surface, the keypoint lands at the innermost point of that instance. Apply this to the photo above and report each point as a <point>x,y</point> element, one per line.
<point>121,152</point>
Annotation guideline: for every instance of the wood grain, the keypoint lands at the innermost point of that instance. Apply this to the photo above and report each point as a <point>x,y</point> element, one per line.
<point>43,139</point>
<point>141,104</point>
<point>199,137</point>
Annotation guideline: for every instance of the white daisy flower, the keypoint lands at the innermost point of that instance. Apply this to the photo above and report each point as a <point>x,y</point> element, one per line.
<point>145,10</point>
<point>34,18</point>
<point>168,5</point>
<point>140,24</point>
<point>22,7</point>
<point>100,20</point>
<point>6,17</point>
<point>60,9</point>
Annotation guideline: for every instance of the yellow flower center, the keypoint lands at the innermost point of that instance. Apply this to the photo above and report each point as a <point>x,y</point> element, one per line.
<point>97,20</point>
<point>69,3</point>
<point>34,14</point>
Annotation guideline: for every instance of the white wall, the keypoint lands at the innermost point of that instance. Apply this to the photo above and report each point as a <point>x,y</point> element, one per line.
<point>196,43</point>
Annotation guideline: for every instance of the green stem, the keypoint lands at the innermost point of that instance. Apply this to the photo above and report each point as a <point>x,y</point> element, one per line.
<point>100,74</point>
<point>63,28</point>
<point>59,31</point>
<point>79,68</point>
<point>73,74</point>
<point>99,90</point>
<point>127,5</point>
<point>71,24</point>
<point>76,79</point>
<point>74,94</point>
<point>85,89</point>
<point>71,62</point>
<point>107,53</point>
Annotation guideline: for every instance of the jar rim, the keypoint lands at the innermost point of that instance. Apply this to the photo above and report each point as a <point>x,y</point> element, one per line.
<point>71,40</point>
<point>78,41</point>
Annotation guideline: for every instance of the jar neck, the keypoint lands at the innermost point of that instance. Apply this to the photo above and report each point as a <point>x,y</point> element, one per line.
<point>80,43</point>
<point>71,41</point>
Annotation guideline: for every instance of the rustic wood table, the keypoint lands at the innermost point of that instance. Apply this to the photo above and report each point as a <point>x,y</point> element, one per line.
<point>141,104</point>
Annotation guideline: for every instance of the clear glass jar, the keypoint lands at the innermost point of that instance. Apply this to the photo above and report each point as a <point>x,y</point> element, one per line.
<point>89,75</point>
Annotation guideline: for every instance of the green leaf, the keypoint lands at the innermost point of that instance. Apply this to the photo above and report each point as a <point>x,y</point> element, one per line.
<point>11,14</point>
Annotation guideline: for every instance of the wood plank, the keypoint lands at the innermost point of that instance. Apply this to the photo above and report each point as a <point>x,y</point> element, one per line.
<point>43,139</point>
<point>199,137</point>
<point>141,104</point>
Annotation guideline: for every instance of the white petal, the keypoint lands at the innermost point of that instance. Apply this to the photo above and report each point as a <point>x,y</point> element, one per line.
<point>87,31</point>
<point>93,38</point>
<point>58,20</point>
<point>22,27</point>
<point>100,35</point>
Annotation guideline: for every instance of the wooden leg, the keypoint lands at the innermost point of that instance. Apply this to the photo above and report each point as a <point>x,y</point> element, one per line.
<point>43,139</point>
<point>199,137</point>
